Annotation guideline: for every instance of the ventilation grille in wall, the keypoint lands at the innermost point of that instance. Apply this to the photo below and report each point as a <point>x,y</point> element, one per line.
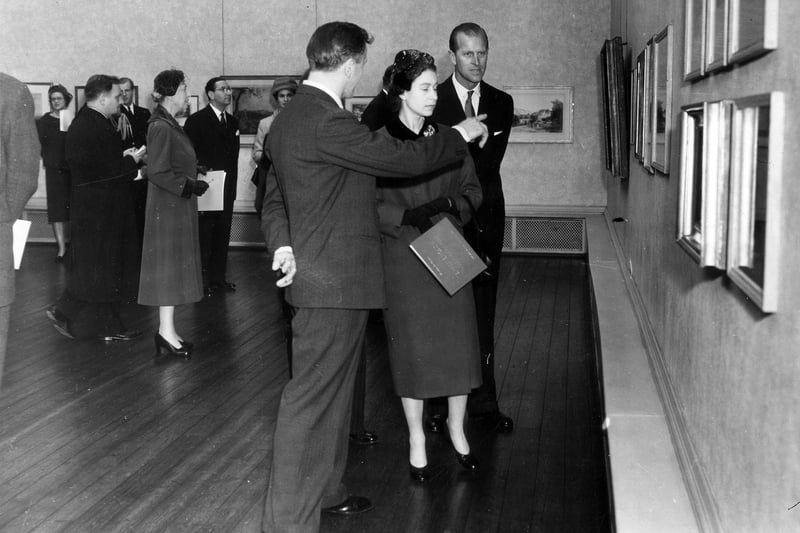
<point>543,235</point>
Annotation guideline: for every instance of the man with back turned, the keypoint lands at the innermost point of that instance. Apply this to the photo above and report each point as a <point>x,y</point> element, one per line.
<point>320,223</point>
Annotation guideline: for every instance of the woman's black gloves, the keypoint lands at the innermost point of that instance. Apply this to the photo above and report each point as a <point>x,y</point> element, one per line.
<point>420,216</point>
<point>193,186</point>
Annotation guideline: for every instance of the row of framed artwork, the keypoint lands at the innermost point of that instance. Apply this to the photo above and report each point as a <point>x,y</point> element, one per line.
<point>651,102</point>
<point>720,33</point>
<point>541,114</point>
<point>729,191</point>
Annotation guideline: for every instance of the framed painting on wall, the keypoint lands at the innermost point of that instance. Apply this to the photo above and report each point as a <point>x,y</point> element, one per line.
<point>648,105</point>
<point>640,104</point>
<point>716,41</point>
<point>754,235</point>
<point>251,101</point>
<point>753,29</point>
<point>41,100</point>
<point>541,114</point>
<point>615,112</point>
<point>694,40</point>
<point>662,100</point>
<point>357,104</point>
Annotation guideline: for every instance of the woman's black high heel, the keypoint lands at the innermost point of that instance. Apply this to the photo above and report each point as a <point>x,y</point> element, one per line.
<point>467,461</point>
<point>420,475</point>
<point>188,346</point>
<point>163,344</point>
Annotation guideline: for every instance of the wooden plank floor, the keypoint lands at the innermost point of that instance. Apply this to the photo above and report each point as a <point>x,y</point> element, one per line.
<point>104,438</point>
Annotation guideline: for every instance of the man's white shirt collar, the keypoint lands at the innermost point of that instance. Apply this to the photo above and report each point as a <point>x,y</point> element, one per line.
<point>461,91</point>
<point>327,91</point>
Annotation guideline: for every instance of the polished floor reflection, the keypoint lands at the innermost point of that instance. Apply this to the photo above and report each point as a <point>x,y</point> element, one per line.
<point>97,437</point>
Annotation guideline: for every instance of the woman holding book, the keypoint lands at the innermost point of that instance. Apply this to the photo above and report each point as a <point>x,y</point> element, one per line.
<point>432,336</point>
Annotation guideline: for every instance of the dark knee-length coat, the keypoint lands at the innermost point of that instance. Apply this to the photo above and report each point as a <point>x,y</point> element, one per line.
<point>104,263</point>
<point>170,273</point>
<point>433,337</point>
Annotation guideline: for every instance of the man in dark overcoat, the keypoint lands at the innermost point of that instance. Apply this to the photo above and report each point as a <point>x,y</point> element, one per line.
<point>19,175</point>
<point>104,262</point>
<point>464,94</point>
<point>320,223</point>
<point>215,135</point>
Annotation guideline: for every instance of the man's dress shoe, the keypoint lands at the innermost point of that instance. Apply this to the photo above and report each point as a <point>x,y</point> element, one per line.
<point>365,438</point>
<point>435,424</point>
<point>223,285</point>
<point>496,421</point>
<point>352,505</point>
<point>60,322</point>
<point>120,336</point>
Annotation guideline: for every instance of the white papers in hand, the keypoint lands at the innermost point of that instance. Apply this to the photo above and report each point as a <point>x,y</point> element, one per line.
<point>212,199</point>
<point>20,230</point>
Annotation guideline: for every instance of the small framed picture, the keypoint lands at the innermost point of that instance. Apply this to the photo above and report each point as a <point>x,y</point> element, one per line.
<point>541,114</point>
<point>694,41</point>
<point>753,29</point>
<point>252,101</point>
<point>357,104</point>
<point>662,100</point>
<point>41,101</point>
<point>716,51</point>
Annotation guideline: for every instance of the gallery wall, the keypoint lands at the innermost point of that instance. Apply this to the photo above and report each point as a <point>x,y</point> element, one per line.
<point>735,370</point>
<point>532,43</point>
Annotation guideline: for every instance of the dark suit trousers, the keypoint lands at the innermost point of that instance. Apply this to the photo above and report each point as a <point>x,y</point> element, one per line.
<point>90,318</point>
<point>311,432</point>
<point>215,236</point>
<point>491,216</point>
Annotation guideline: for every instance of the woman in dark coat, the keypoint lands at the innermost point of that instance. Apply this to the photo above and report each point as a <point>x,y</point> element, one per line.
<point>433,339</point>
<point>170,273</point>
<point>56,170</point>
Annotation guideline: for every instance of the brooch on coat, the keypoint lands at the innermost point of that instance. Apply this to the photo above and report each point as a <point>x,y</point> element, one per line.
<point>430,130</point>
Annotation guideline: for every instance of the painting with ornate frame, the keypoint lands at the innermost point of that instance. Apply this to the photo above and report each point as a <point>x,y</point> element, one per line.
<point>357,104</point>
<point>541,114</point>
<point>753,29</point>
<point>754,235</point>
<point>694,41</point>
<point>251,101</point>
<point>661,116</point>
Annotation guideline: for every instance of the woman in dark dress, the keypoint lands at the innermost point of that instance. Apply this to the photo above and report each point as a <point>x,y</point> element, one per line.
<point>170,273</point>
<point>56,171</point>
<point>433,339</point>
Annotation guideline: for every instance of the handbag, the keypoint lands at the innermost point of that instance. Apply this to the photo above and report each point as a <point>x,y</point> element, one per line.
<point>480,241</point>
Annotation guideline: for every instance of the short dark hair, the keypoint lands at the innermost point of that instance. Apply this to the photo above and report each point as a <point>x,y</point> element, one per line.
<point>125,79</point>
<point>334,43</point>
<point>408,65</point>
<point>211,85</point>
<point>59,89</point>
<point>99,84</point>
<point>467,28</point>
<point>166,83</point>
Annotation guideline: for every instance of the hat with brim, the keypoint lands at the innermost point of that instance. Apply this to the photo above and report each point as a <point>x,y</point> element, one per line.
<point>283,83</point>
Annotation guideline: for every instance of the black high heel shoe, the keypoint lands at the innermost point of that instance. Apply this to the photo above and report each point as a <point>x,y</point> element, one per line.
<point>467,461</point>
<point>188,346</point>
<point>420,475</point>
<point>163,344</point>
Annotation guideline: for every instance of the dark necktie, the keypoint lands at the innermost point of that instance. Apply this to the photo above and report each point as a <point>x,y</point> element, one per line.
<point>468,110</point>
<point>222,120</point>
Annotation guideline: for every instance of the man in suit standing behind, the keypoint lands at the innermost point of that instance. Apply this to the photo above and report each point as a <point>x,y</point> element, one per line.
<point>19,174</point>
<point>133,130</point>
<point>320,223</point>
<point>215,136</point>
<point>463,95</point>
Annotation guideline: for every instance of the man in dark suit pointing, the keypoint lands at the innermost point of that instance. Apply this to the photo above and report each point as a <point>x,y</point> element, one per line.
<point>320,223</point>
<point>463,95</point>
